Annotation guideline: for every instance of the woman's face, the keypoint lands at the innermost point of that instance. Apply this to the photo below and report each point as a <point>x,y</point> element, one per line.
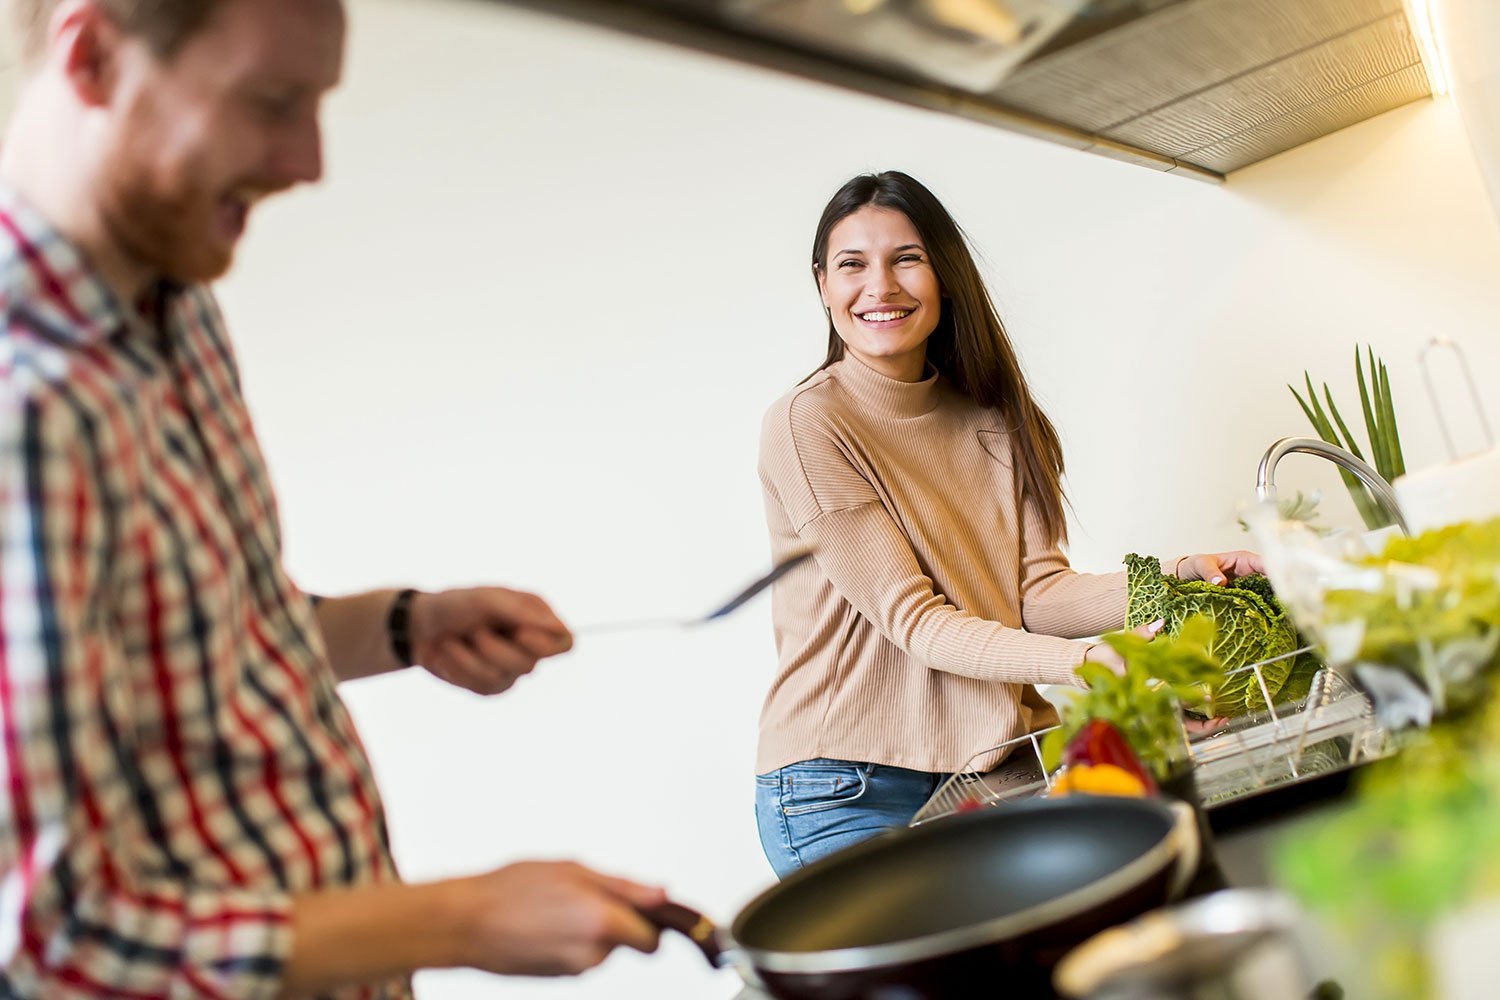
<point>881,291</point>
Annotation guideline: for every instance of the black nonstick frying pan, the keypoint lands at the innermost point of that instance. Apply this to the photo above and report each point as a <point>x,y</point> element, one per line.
<point>978,905</point>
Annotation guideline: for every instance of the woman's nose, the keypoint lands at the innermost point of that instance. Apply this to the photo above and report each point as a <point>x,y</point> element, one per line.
<point>881,283</point>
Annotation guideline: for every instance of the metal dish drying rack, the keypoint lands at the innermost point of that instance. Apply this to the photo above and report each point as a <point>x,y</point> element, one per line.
<point>1331,729</point>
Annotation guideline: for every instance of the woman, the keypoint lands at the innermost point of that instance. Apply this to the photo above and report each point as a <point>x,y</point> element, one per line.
<point>928,482</point>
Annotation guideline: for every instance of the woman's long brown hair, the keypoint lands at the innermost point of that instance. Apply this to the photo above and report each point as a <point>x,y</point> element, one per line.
<point>969,345</point>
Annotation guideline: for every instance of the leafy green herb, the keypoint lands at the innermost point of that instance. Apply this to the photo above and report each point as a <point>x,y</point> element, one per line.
<point>1435,611</point>
<point>1421,840</point>
<point>1145,702</point>
<point>1419,843</point>
<point>1297,507</point>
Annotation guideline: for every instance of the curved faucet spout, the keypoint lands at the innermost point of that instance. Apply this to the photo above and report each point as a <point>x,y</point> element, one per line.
<point>1265,476</point>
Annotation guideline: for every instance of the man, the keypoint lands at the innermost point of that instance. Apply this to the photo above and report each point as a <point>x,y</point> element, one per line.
<point>185,808</point>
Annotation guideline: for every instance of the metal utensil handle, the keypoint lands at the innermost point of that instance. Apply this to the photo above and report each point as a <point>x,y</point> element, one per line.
<point>692,925</point>
<point>735,603</point>
<point>1463,366</point>
<point>785,565</point>
<point>631,625</point>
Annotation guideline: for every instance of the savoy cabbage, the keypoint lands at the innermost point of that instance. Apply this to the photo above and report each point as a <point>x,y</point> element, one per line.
<point>1251,626</point>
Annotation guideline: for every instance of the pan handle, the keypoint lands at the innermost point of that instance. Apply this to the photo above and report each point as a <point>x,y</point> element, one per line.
<point>694,926</point>
<point>1189,846</point>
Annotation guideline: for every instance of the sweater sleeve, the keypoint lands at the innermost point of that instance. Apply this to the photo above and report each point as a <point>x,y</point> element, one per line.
<point>1055,598</point>
<point>864,554</point>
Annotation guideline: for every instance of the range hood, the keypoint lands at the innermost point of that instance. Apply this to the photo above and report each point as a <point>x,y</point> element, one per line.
<point>1196,87</point>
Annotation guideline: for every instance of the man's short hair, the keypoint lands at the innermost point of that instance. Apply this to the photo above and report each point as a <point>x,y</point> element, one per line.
<point>163,24</point>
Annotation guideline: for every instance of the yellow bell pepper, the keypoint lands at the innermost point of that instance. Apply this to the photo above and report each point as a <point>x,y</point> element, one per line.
<point>1098,779</point>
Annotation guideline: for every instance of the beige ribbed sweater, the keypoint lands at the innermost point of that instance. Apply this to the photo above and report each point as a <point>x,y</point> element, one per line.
<point>934,600</point>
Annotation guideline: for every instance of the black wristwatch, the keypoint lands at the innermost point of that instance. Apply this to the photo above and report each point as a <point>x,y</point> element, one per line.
<point>398,626</point>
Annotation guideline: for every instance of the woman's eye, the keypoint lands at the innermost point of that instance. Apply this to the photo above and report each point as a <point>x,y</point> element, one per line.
<point>914,258</point>
<point>849,263</point>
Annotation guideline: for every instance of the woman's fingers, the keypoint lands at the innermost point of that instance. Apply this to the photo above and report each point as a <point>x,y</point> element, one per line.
<point>1220,567</point>
<point>1149,630</point>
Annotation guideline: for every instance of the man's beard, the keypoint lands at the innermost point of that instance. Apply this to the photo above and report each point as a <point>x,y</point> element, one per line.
<point>163,218</point>
<point>160,199</point>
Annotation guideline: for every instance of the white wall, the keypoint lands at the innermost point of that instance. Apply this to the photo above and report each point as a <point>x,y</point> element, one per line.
<point>526,330</point>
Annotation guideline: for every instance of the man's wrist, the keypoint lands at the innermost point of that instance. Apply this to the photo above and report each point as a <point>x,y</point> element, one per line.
<point>451,909</point>
<point>345,936</point>
<point>398,626</point>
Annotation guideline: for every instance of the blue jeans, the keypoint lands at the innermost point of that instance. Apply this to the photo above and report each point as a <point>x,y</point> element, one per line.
<point>809,810</point>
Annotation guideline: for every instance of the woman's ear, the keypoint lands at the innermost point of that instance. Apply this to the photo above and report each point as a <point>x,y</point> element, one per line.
<point>822,280</point>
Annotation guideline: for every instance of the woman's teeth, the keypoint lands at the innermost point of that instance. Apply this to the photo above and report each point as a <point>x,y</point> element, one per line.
<point>884,317</point>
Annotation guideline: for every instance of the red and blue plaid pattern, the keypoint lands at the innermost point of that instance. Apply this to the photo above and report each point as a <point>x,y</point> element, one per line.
<point>177,764</point>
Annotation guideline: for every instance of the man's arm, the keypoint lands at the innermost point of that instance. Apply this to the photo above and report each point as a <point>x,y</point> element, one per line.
<point>80,914</point>
<point>481,638</point>
<point>354,630</point>
<point>533,919</point>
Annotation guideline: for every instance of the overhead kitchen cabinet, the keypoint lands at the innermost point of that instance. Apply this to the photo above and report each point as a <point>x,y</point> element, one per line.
<point>1195,87</point>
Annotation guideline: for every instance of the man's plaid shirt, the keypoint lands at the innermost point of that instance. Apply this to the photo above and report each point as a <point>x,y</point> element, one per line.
<point>176,763</point>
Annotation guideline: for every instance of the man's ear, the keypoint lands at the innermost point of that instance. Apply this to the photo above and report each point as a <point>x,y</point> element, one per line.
<point>87,45</point>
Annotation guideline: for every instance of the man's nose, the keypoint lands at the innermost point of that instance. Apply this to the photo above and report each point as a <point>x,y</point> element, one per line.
<point>299,158</point>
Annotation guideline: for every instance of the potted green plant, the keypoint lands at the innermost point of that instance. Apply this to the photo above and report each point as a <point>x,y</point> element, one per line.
<point>1384,439</point>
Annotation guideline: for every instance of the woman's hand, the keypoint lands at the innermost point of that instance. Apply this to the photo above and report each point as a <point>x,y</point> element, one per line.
<point>1104,654</point>
<point>1203,727</point>
<point>1219,567</point>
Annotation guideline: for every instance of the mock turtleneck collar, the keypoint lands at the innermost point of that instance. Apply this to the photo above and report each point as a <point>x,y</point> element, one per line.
<point>883,394</point>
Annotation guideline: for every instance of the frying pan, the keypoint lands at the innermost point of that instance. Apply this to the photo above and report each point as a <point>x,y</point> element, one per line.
<point>978,905</point>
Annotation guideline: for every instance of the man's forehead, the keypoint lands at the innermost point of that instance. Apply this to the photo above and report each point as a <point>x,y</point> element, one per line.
<point>299,41</point>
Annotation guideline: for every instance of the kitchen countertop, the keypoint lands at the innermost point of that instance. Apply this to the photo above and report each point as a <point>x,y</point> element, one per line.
<point>1245,831</point>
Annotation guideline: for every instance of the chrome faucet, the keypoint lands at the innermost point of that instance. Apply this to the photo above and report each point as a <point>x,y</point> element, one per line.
<point>1265,476</point>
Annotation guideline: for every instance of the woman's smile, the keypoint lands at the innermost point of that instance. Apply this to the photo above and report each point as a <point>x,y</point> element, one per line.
<point>881,291</point>
<point>884,319</point>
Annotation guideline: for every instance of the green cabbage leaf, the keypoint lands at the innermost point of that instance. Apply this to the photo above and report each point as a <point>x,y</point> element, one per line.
<point>1250,626</point>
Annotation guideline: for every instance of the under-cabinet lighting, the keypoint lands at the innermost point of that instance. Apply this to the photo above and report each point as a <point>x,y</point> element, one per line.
<point>1424,24</point>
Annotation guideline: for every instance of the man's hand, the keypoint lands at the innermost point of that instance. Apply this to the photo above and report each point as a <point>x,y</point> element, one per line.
<point>532,919</point>
<point>484,638</point>
<point>552,918</point>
